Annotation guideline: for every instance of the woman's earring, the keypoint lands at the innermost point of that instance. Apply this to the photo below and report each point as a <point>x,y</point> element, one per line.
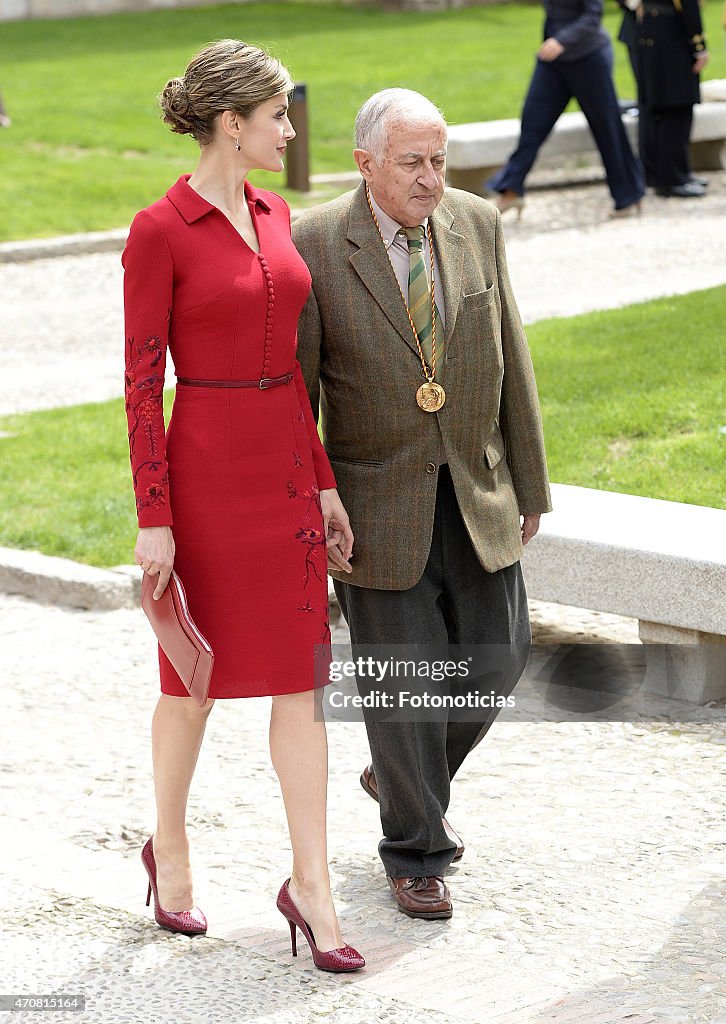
<point>237,145</point>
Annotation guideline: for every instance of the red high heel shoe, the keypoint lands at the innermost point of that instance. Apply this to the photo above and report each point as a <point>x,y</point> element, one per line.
<point>344,959</point>
<point>188,922</point>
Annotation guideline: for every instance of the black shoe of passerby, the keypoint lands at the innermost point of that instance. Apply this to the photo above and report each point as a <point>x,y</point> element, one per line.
<point>688,190</point>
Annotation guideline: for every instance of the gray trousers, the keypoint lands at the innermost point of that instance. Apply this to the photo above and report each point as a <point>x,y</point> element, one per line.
<point>455,602</point>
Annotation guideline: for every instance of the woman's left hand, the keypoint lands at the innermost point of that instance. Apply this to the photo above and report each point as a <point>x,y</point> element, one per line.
<point>338,534</point>
<point>550,49</point>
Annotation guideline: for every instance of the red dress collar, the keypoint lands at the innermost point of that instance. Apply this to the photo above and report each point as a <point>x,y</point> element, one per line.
<point>192,206</point>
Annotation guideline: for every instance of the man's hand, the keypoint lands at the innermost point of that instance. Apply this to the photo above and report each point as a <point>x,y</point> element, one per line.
<point>700,62</point>
<point>154,552</point>
<point>338,534</point>
<point>550,49</point>
<point>530,526</point>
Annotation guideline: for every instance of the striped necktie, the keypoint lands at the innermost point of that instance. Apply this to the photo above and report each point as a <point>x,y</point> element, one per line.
<point>419,295</point>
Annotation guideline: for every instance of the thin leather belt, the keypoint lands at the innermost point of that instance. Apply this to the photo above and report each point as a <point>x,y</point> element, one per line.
<point>263,384</point>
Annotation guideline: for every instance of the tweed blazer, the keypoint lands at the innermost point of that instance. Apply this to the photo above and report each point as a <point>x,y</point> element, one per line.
<point>362,369</point>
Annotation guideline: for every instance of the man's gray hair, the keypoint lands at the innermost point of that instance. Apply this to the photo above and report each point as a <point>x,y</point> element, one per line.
<point>385,107</point>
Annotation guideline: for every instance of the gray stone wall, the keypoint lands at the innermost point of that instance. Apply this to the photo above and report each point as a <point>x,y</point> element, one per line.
<point>20,10</point>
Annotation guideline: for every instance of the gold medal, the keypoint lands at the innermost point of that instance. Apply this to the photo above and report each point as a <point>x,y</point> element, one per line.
<point>430,396</point>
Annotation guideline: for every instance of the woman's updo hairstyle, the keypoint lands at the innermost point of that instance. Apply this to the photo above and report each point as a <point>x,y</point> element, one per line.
<point>226,75</point>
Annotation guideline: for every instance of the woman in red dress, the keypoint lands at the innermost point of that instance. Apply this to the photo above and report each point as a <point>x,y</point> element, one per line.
<point>238,495</point>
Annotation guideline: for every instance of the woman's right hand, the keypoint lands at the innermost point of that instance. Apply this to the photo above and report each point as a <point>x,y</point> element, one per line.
<point>154,552</point>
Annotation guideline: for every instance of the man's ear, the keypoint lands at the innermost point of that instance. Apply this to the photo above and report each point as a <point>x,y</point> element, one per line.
<point>365,163</point>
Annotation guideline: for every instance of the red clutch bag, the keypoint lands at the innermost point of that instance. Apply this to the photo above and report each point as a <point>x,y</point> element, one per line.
<point>178,636</point>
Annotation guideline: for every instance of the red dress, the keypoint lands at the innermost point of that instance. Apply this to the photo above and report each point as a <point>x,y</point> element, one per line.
<point>238,473</point>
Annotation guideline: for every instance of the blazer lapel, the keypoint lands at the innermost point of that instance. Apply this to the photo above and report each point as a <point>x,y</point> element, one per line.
<point>370,261</point>
<point>450,248</point>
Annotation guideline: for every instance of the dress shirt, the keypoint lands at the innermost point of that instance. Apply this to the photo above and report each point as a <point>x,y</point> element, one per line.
<point>397,249</point>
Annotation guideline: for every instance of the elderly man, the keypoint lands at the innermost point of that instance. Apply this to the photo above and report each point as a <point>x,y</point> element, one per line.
<point>414,353</point>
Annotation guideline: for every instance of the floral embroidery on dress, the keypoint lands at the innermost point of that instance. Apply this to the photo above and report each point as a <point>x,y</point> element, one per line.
<point>155,496</point>
<point>312,537</point>
<point>144,398</point>
<point>153,345</point>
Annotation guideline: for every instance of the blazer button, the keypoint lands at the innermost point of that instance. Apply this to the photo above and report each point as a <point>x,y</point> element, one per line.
<point>430,467</point>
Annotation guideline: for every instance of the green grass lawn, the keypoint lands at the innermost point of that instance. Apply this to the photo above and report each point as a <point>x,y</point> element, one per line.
<point>632,399</point>
<point>87,149</point>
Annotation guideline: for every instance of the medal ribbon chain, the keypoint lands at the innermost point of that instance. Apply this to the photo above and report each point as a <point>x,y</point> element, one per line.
<point>428,373</point>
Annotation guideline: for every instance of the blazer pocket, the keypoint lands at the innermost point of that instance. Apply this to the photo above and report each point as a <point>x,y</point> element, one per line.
<point>494,449</point>
<point>478,299</point>
<point>355,462</point>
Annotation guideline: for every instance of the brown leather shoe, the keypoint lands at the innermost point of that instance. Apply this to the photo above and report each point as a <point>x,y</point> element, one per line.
<point>422,897</point>
<point>369,784</point>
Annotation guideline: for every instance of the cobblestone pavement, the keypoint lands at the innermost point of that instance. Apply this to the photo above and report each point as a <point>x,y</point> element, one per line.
<point>591,891</point>
<point>592,887</point>
<point>61,322</point>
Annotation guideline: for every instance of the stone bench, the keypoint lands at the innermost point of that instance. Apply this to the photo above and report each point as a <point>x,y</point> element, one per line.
<point>661,562</point>
<point>475,151</point>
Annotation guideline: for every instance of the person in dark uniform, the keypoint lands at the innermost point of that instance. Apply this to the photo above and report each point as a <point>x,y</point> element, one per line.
<point>628,35</point>
<point>671,52</point>
<point>575,59</point>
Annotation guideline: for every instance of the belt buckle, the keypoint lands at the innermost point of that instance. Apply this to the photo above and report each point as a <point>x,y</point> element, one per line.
<point>265,382</point>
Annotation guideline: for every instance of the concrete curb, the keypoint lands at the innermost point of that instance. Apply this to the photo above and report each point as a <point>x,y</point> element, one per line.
<point>115,240</point>
<point>71,245</point>
<point>62,581</point>
<point>63,245</point>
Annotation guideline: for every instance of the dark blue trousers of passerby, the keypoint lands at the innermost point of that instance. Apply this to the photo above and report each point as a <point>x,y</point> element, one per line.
<point>553,85</point>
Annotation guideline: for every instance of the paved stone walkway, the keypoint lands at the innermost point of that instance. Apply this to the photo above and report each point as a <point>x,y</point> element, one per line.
<point>592,888</point>
<point>591,891</point>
